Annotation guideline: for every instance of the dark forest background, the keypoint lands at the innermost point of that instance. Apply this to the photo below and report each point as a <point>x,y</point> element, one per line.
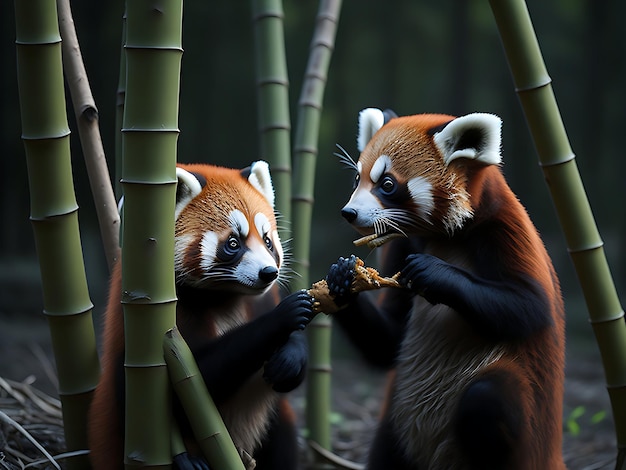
<point>409,55</point>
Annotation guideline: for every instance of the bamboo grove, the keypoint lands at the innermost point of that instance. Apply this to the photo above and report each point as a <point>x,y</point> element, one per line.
<point>148,108</point>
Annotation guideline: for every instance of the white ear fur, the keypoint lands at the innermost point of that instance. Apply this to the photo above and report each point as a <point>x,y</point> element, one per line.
<point>261,179</point>
<point>188,188</point>
<point>370,120</point>
<point>476,136</point>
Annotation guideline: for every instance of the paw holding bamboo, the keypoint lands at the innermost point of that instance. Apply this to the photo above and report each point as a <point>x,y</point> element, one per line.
<point>347,277</point>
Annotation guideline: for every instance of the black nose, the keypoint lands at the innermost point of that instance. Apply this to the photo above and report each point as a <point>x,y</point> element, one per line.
<point>349,214</point>
<point>268,273</point>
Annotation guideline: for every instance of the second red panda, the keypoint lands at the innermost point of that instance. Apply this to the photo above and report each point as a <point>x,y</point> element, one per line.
<point>477,338</point>
<point>248,346</point>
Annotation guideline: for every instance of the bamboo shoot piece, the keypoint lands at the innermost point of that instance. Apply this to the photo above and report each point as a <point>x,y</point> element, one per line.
<point>365,278</point>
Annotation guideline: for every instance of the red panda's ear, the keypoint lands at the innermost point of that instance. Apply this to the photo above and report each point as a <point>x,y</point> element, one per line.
<point>189,185</point>
<point>258,175</point>
<point>370,120</point>
<point>475,136</point>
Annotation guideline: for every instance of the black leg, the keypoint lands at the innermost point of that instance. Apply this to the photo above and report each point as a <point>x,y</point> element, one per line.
<point>279,449</point>
<point>489,421</point>
<point>385,452</point>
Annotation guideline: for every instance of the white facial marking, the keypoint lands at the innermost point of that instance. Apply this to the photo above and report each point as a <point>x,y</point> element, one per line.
<point>422,194</point>
<point>208,249</point>
<point>381,166</point>
<point>359,167</point>
<point>239,223</point>
<point>262,224</point>
<point>277,245</point>
<point>181,244</point>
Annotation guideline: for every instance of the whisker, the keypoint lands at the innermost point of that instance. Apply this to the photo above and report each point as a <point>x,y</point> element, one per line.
<point>345,158</point>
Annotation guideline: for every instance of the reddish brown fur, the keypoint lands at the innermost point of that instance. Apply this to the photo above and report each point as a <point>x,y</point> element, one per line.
<point>105,430</point>
<point>496,241</point>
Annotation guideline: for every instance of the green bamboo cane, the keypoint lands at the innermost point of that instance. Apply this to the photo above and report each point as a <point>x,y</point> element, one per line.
<point>89,131</point>
<point>120,96</point>
<point>54,213</point>
<point>557,159</point>
<point>150,134</point>
<point>274,123</point>
<point>305,156</point>
<point>206,423</point>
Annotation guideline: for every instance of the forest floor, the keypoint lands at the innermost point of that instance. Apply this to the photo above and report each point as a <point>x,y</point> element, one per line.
<point>589,438</point>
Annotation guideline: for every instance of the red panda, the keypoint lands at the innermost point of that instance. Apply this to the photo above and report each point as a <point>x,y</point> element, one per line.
<point>476,340</point>
<point>228,257</point>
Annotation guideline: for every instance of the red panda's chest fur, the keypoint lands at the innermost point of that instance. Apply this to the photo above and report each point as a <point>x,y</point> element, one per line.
<point>438,344</point>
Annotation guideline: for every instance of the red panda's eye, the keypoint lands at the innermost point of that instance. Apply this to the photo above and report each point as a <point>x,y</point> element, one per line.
<point>230,250</point>
<point>232,245</point>
<point>388,185</point>
<point>268,243</point>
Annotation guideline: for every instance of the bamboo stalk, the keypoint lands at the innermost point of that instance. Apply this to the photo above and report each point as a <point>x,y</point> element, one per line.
<point>54,213</point>
<point>120,96</point>
<point>206,422</point>
<point>305,156</point>
<point>274,123</point>
<point>533,85</point>
<point>149,136</point>
<point>89,131</point>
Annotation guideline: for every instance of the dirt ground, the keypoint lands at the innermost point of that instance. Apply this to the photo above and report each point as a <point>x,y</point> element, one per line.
<point>589,439</point>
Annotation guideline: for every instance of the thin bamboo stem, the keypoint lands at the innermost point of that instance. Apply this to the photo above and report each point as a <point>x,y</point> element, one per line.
<point>120,96</point>
<point>54,214</point>
<point>305,156</point>
<point>274,122</point>
<point>89,131</point>
<point>533,85</point>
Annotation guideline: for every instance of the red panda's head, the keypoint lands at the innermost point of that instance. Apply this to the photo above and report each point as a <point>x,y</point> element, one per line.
<point>226,236</point>
<point>414,172</point>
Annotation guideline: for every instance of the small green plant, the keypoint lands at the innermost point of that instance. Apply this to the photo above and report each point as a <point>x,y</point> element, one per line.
<point>572,421</point>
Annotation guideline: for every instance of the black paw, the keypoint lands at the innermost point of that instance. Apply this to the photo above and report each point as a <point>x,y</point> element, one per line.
<point>426,275</point>
<point>286,367</point>
<point>185,461</point>
<point>295,311</point>
<point>339,279</point>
